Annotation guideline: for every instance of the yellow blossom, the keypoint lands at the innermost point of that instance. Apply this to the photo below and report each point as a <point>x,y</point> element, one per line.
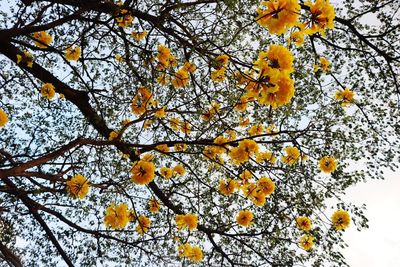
<point>293,155</point>
<point>73,53</point>
<point>179,169</point>
<point>296,37</point>
<point>166,172</point>
<point>124,19</point>
<point>26,58</point>
<point>327,164</point>
<point>340,219</point>
<point>78,186</point>
<point>43,39</point>
<point>48,91</point>
<point>306,242</point>
<point>117,216</point>
<point>244,218</point>
<point>180,147</point>
<point>181,78</point>
<point>3,118</point>
<point>303,223</point>
<point>188,220</point>
<point>160,113</point>
<point>278,15</point>
<point>266,185</point>
<point>143,225</point>
<point>222,61</point>
<point>142,172</point>
<point>266,156</point>
<point>346,96</point>
<point>189,67</point>
<point>218,75</point>
<point>162,148</point>
<point>113,136</point>
<point>227,187</point>
<point>138,36</point>
<point>322,17</point>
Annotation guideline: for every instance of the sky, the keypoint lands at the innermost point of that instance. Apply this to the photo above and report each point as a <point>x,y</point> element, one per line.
<point>378,246</point>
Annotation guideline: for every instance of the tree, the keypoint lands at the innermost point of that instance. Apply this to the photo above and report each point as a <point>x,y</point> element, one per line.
<point>191,132</point>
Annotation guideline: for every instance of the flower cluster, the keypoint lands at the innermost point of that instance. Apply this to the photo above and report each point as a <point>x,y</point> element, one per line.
<point>142,172</point>
<point>193,253</point>
<point>189,221</point>
<point>42,39</point>
<point>78,186</point>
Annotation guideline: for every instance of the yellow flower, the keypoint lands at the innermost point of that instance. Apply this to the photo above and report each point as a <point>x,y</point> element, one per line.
<point>181,78</point>
<point>162,79</point>
<point>180,147</point>
<point>266,156</point>
<point>160,113</point>
<point>184,250</point>
<point>175,123</point>
<point>256,130</point>
<point>303,223</point>
<point>280,57</point>
<point>189,67</point>
<point>346,96</point>
<point>124,19</point>
<point>3,118</point>
<point>278,15</point>
<point>296,37</point>
<point>293,155</point>
<point>179,169</point>
<point>162,148</point>
<point>196,254</point>
<point>327,164</point>
<point>306,242</point>
<point>193,253</point>
<point>142,172</point>
<point>78,186</point>
<point>25,57</point>
<point>218,75</point>
<point>138,36</point>
<point>278,95</point>
<point>186,127</point>
<point>142,101</point>
<point>258,198</point>
<point>188,220</point>
<point>266,185</point>
<point>48,91</point>
<point>166,172</point>
<point>117,216</point>
<point>246,175</point>
<point>244,218</point>
<point>43,39</point>
<point>325,64</point>
<point>119,58</point>
<point>227,187</point>
<point>113,136</point>
<point>249,189</point>
<point>222,61</point>
<point>340,219</point>
<point>73,53</point>
<point>163,56</point>
<point>322,16</point>
<point>154,205</point>
<point>243,151</point>
<point>143,225</point>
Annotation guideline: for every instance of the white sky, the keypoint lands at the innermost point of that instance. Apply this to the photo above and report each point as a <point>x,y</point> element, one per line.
<point>378,246</point>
